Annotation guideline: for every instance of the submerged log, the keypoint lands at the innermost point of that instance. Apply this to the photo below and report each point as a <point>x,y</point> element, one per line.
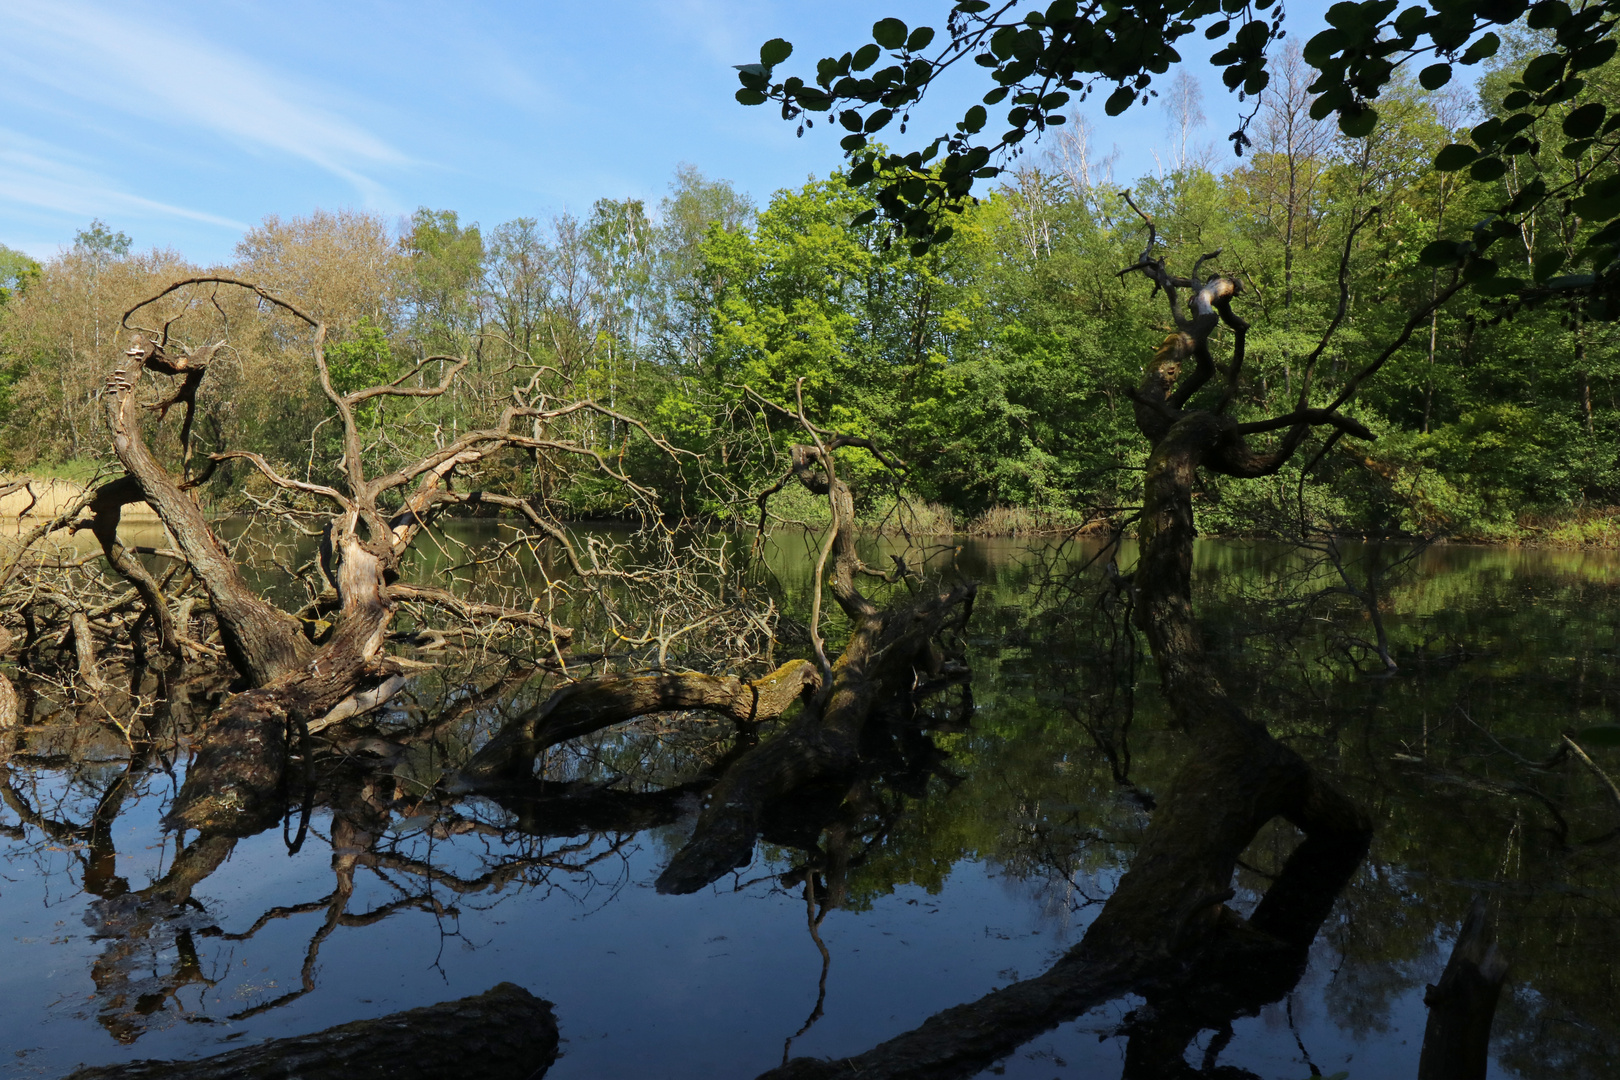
<point>505,1033</point>
<point>1462,1005</point>
<point>883,658</point>
<point>583,707</point>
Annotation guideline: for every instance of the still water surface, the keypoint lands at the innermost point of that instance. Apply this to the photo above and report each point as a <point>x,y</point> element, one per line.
<point>951,880</point>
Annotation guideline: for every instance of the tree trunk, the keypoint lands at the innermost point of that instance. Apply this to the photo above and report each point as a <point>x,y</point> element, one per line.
<point>107,506</point>
<point>505,1033</point>
<point>1169,907</point>
<point>263,642</point>
<point>1462,1004</point>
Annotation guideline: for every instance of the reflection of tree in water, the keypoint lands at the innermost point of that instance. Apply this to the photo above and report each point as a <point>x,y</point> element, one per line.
<point>1053,787</point>
<point>401,852</point>
<point>1025,786</point>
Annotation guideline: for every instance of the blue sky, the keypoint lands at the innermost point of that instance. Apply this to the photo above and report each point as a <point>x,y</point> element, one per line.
<point>183,124</point>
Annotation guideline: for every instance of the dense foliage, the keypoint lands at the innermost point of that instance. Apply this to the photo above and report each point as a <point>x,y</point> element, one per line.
<point>995,365</point>
<point>1038,56</point>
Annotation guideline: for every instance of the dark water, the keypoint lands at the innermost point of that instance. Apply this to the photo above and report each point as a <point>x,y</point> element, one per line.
<point>950,873</point>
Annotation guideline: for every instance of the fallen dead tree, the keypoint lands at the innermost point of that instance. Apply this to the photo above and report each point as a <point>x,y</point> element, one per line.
<point>505,1033</point>
<point>302,668</point>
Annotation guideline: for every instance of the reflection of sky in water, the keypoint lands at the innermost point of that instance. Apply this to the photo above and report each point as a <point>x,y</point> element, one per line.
<point>705,985</point>
<point>712,984</point>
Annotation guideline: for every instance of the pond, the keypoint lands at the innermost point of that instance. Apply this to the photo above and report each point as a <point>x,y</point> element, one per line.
<point>972,854</point>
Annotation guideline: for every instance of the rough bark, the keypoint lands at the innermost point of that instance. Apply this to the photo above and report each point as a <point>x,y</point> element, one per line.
<point>8,704</point>
<point>84,651</point>
<point>505,1033</point>
<point>263,642</point>
<point>1456,1040</point>
<point>583,707</point>
<point>236,784</point>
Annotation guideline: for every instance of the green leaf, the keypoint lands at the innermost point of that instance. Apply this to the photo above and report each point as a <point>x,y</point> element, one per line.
<point>1487,169</point>
<point>1597,207</point>
<point>854,142</point>
<point>1584,122</point>
<point>1543,71</point>
<point>1548,14</point>
<point>889,33</point>
<point>1479,270</point>
<point>850,119</point>
<point>1320,49</point>
<point>878,120</point>
<point>1358,120</point>
<point>1498,286</point>
<point>751,97</point>
<point>865,217</point>
<point>1604,735</point>
<point>1347,15</point>
<point>1219,29</point>
<point>774,51</point>
<point>1440,253</point>
<point>865,57</point>
<point>1482,49</point>
<point>1572,150</point>
<point>1119,101</point>
<point>1548,264</point>
<point>1454,157</point>
<point>974,120</point>
<point>1435,76</point>
<point>919,39</point>
<point>1517,100</point>
<point>1593,55</point>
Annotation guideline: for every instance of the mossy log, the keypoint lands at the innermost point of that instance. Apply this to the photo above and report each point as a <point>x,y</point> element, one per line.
<point>583,707</point>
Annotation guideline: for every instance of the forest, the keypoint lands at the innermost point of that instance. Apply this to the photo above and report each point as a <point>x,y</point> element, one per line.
<point>995,366</point>
<point>931,528</point>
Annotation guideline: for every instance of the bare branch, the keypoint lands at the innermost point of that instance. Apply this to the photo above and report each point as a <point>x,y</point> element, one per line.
<point>258,462</point>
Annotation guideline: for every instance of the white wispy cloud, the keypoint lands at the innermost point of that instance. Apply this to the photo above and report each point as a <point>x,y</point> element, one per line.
<point>159,72</point>
<point>37,174</point>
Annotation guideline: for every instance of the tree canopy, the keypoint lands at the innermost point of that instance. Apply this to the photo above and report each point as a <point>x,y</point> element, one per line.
<point>1043,60</point>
